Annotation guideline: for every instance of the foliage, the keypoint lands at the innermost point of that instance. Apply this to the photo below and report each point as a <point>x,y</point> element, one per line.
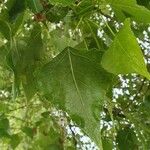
<point>73,69</point>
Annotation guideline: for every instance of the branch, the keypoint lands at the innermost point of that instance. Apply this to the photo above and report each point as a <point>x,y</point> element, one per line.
<point>136,96</point>
<point>73,136</point>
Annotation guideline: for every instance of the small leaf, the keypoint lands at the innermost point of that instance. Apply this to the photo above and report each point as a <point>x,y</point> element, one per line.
<point>53,147</point>
<point>4,123</point>
<point>5,29</point>
<point>16,9</point>
<point>56,14</point>
<point>4,127</point>
<point>124,55</point>
<point>15,140</point>
<point>107,144</point>
<point>17,23</point>
<point>45,114</point>
<point>4,133</point>
<point>24,58</point>
<point>35,5</point>
<point>32,53</point>
<point>126,139</point>
<point>59,41</point>
<point>3,53</point>
<point>3,107</point>
<point>28,131</point>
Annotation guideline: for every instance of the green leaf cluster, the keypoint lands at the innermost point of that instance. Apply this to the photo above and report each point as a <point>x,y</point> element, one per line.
<point>61,62</point>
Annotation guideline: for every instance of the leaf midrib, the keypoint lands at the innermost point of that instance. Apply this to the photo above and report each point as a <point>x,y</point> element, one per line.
<point>74,78</point>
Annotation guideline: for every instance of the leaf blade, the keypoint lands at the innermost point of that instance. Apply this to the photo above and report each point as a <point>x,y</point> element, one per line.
<point>63,81</point>
<point>131,8</point>
<point>124,55</point>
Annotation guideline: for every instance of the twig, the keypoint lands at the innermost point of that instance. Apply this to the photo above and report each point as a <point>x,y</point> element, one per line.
<point>21,107</point>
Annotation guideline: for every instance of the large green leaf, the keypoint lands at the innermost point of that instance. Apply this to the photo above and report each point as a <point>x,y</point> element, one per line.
<point>129,8</point>
<point>74,82</point>
<point>124,55</point>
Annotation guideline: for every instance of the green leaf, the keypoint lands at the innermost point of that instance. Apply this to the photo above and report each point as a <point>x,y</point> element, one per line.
<point>45,114</point>
<point>53,147</point>
<point>48,140</point>
<point>3,53</point>
<point>12,17</point>
<point>107,144</point>
<point>16,9</point>
<point>56,13</point>
<point>24,58</point>
<point>4,133</point>
<point>5,29</point>
<point>17,23</point>
<point>4,123</point>
<point>84,8</point>
<point>4,15</point>
<point>28,131</point>
<point>3,107</point>
<point>129,8</point>
<point>126,139</point>
<point>124,55</point>
<point>35,5</point>
<point>71,148</point>
<point>75,83</point>
<point>33,53</point>
<point>62,2</point>
<point>4,126</point>
<point>145,3</point>
<point>59,41</point>
<point>15,140</point>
